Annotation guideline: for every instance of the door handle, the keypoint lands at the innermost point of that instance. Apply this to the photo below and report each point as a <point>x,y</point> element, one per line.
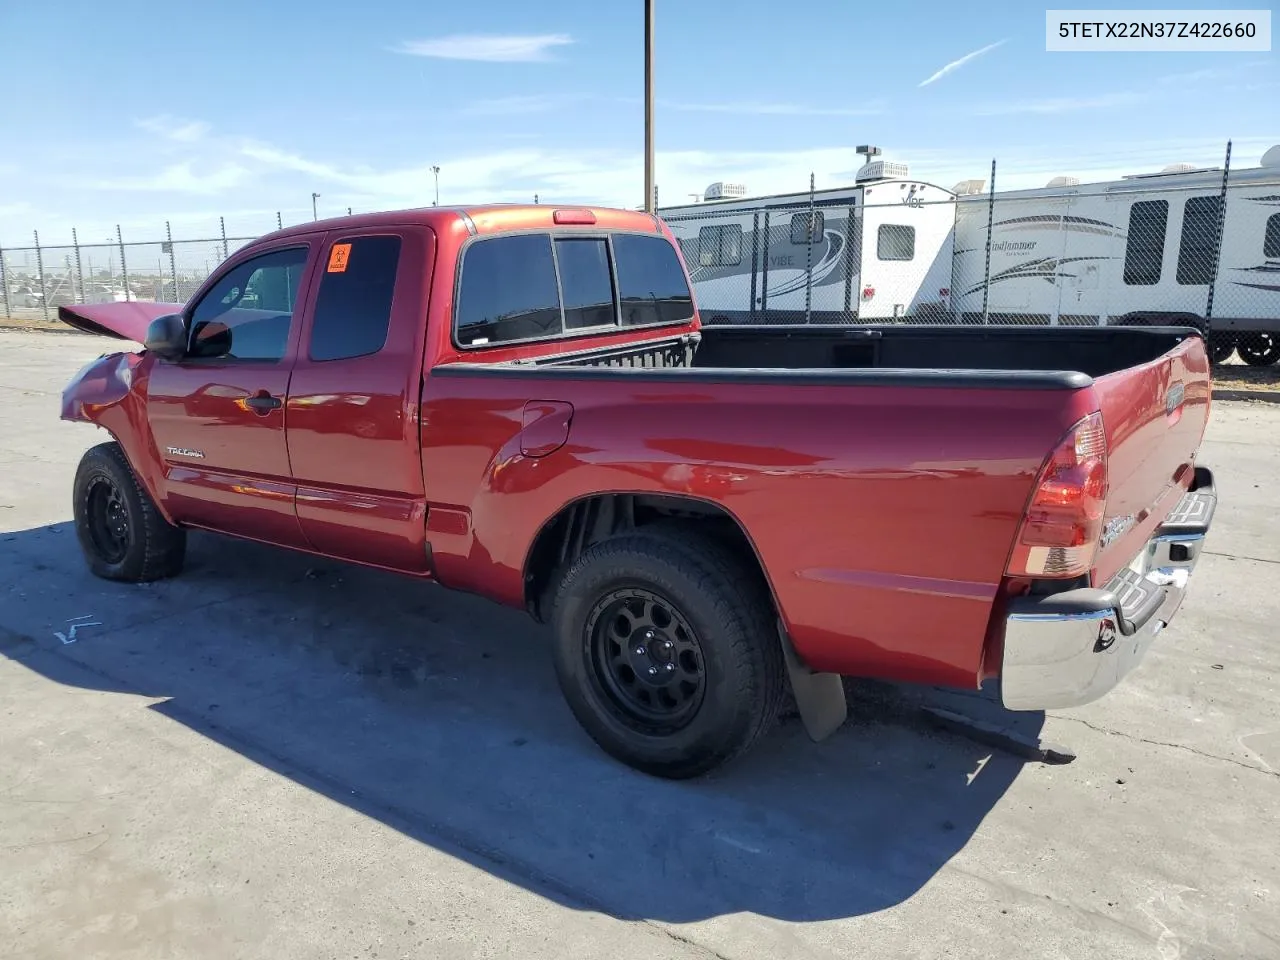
<point>263,403</point>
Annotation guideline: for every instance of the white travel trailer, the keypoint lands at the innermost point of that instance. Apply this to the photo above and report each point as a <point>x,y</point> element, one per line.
<point>878,250</point>
<point>1136,250</point>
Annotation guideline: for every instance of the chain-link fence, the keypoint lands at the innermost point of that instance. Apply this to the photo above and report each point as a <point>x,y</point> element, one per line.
<point>38,278</point>
<point>1183,247</point>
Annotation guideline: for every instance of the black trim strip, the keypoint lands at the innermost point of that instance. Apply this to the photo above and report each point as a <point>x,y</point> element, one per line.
<point>765,376</point>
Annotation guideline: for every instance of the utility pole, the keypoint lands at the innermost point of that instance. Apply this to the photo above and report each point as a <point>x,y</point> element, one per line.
<point>435,171</point>
<point>314,215</point>
<point>650,200</point>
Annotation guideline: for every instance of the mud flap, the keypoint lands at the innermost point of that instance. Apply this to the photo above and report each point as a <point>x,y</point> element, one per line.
<point>819,696</point>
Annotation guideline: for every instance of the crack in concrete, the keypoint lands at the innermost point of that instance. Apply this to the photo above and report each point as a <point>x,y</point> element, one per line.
<point>1239,556</point>
<point>1164,743</point>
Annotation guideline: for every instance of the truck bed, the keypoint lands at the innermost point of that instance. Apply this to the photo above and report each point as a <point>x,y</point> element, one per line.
<point>1036,358</point>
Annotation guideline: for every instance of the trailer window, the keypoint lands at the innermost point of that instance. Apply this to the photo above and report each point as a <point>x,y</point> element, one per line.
<point>652,287</point>
<point>1144,250</point>
<point>800,223</point>
<point>895,241</point>
<point>353,307</point>
<point>586,282</point>
<point>1199,247</point>
<point>1271,241</point>
<point>720,245</point>
<point>508,290</point>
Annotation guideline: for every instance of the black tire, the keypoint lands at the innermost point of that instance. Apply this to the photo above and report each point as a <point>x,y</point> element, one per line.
<point>1259,349</point>
<point>122,534</point>
<point>1221,346</point>
<point>709,593</point>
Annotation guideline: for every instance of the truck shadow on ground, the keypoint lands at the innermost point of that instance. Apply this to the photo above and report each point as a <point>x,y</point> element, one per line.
<point>439,715</point>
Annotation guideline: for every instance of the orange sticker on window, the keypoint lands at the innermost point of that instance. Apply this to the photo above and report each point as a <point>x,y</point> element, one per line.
<point>338,257</point>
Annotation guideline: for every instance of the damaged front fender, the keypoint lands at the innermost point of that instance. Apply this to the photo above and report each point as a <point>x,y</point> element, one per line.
<point>98,386</point>
<point>111,392</point>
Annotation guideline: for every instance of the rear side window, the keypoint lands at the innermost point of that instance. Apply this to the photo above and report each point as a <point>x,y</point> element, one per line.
<point>1144,249</point>
<point>1199,246</point>
<point>651,283</point>
<point>508,290</point>
<point>1271,240</point>
<point>895,241</point>
<point>353,308</point>
<point>586,283</point>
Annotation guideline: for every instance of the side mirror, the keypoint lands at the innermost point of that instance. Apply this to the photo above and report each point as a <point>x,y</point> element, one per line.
<point>167,337</point>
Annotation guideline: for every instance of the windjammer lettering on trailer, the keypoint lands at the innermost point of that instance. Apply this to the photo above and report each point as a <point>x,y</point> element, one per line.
<point>1014,245</point>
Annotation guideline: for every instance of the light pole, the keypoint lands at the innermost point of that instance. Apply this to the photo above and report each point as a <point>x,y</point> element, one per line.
<point>650,202</point>
<point>314,215</point>
<point>435,171</point>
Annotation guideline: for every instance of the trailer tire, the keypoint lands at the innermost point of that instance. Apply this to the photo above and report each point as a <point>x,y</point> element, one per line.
<point>666,651</point>
<point>121,532</point>
<point>1259,349</point>
<point>1221,347</point>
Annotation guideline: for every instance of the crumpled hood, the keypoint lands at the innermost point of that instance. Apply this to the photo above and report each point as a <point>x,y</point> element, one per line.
<point>125,321</point>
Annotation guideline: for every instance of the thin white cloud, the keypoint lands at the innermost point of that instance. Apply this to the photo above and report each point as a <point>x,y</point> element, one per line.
<point>753,108</point>
<point>174,128</point>
<point>1061,104</point>
<point>177,178</point>
<point>957,64</point>
<point>492,48</point>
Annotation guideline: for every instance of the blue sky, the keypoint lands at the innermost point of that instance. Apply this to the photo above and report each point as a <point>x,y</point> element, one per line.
<point>135,112</point>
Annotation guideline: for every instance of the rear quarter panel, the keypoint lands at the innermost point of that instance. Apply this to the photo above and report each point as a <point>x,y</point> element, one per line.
<point>1152,443</point>
<point>883,516</point>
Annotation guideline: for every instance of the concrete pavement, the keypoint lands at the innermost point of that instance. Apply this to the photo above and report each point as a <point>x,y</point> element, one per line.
<point>275,756</point>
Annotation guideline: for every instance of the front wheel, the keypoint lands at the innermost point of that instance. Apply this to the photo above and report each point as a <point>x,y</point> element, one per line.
<point>667,653</point>
<point>121,532</point>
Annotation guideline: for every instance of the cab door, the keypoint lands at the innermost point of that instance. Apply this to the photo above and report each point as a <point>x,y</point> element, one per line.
<point>218,415</point>
<point>353,441</point>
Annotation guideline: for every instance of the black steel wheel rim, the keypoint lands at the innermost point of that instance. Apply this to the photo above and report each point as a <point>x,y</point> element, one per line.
<point>645,657</point>
<point>107,518</point>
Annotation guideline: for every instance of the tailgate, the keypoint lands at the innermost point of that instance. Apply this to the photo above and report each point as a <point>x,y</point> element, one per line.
<point>1154,416</point>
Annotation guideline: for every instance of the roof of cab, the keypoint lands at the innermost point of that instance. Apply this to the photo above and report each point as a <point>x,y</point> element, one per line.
<point>487,218</point>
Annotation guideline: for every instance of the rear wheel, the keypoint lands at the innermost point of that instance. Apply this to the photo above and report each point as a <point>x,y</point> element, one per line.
<point>1259,349</point>
<point>121,533</point>
<point>667,653</point>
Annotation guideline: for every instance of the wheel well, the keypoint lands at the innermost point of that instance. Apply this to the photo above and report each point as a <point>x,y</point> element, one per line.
<point>585,522</point>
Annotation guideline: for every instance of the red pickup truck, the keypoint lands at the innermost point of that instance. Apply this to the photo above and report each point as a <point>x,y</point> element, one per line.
<point>520,402</point>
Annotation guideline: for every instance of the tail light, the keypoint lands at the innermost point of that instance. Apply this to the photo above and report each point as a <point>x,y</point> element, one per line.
<point>1063,521</point>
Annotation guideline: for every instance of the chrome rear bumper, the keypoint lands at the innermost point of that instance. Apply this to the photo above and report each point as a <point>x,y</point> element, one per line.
<point>1070,648</point>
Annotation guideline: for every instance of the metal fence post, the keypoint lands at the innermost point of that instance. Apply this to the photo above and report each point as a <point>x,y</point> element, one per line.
<point>44,292</point>
<point>1217,247</point>
<point>222,223</point>
<point>808,258</point>
<point>991,216</point>
<point>173,263</point>
<point>124,267</point>
<point>75,242</point>
<point>4,285</point>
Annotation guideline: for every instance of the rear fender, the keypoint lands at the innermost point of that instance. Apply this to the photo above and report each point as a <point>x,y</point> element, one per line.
<point>110,393</point>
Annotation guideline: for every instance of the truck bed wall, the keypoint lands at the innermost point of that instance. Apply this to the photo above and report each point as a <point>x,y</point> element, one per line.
<point>1094,352</point>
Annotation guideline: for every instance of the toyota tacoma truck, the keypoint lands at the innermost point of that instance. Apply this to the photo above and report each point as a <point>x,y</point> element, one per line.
<point>521,402</point>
